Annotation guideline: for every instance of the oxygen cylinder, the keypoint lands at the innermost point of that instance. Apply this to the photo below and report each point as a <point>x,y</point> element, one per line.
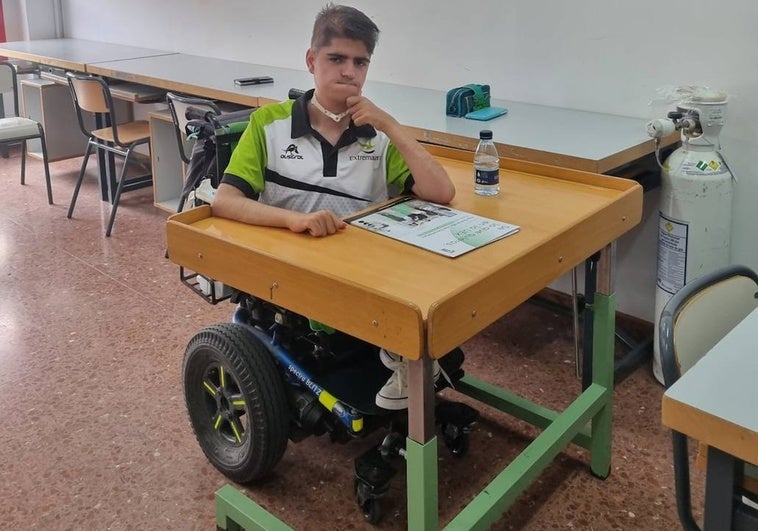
<point>694,223</point>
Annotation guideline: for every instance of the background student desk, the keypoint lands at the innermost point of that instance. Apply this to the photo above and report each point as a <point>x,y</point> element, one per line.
<point>425,305</point>
<point>205,77</point>
<point>564,137</point>
<point>714,402</point>
<point>72,54</point>
<point>569,138</point>
<point>75,55</point>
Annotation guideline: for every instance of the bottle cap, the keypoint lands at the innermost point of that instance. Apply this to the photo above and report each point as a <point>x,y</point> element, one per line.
<point>485,134</point>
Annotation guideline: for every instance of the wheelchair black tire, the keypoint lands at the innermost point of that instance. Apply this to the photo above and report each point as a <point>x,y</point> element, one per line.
<point>224,365</point>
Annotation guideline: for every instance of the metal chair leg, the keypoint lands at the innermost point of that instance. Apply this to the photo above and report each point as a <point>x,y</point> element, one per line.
<point>79,181</point>
<point>23,162</point>
<point>117,197</point>
<point>682,482</point>
<point>47,167</point>
<point>575,320</point>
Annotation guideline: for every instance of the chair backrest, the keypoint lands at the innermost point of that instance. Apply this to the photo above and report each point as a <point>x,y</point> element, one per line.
<point>91,94</point>
<point>178,106</point>
<point>702,313</point>
<point>9,83</point>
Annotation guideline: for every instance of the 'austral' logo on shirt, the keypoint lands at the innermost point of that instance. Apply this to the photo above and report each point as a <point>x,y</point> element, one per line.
<point>291,152</point>
<point>368,149</point>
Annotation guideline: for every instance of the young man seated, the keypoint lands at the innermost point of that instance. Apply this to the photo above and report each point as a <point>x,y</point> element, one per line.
<point>306,164</point>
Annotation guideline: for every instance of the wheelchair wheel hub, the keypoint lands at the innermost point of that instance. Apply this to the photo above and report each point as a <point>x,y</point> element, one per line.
<point>226,402</point>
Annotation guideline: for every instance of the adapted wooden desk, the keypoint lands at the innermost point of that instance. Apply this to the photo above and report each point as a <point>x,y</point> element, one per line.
<point>422,305</point>
<point>715,403</point>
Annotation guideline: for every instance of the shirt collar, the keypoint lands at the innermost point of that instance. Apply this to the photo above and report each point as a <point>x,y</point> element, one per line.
<point>301,122</point>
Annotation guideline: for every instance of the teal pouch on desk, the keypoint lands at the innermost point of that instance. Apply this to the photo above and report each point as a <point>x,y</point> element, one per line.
<point>462,100</point>
<point>487,113</point>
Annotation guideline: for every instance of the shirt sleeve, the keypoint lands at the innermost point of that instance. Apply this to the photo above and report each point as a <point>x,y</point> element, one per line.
<point>398,172</point>
<point>249,159</point>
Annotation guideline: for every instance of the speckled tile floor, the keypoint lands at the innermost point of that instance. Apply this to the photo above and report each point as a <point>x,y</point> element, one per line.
<point>95,433</point>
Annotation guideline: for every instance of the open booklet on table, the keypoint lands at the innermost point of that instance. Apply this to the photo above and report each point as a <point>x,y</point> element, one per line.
<point>434,227</point>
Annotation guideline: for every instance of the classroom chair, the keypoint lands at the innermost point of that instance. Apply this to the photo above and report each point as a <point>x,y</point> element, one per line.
<point>16,129</point>
<point>91,94</point>
<point>692,322</point>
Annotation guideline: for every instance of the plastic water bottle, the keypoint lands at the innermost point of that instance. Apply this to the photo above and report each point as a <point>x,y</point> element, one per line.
<point>486,166</point>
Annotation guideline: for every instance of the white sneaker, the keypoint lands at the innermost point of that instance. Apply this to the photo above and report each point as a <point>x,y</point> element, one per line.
<point>394,394</point>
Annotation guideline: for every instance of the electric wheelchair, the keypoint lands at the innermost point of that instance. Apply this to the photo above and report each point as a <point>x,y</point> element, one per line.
<point>271,376</point>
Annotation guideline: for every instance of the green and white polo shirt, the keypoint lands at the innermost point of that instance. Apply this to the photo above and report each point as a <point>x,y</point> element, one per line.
<point>281,161</point>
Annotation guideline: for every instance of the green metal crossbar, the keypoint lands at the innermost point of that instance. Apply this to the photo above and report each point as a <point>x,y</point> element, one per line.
<point>516,406</point>
<point>516,477</point>
<point>235,511</point>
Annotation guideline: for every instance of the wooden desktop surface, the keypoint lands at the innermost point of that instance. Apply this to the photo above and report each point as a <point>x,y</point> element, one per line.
<point>406,299</point>
<point>714,402</point>
<point>205,77</point>
<point>73,54</point>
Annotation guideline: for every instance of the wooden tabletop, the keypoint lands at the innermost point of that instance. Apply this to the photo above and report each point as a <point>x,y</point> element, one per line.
<point>73,54</point>
<point>205,77</point>
<point>406,299</point>
<point>715,400</point>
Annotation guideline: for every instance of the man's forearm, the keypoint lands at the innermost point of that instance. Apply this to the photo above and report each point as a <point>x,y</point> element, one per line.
<point>431,181</point>
<point>231,204</point>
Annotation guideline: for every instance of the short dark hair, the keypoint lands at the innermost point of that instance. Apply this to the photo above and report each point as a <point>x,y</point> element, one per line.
<point>336,21</point>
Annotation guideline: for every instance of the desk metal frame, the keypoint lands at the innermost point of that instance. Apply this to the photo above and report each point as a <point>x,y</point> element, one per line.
<point>430,304</point>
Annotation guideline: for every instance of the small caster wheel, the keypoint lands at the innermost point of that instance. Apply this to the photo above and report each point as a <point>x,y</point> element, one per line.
<point>456,440</point>
<point>368,502</point>
<point>372,511</point>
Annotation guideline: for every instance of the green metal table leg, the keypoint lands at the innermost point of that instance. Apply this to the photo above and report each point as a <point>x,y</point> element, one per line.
<point>422,491</point>
<point>603,345</point>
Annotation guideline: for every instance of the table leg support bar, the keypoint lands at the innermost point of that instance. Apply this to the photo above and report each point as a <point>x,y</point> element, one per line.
<point>235,511</point>
<point>516,406</point>
<point>593,406</point>
<point>485,508</point>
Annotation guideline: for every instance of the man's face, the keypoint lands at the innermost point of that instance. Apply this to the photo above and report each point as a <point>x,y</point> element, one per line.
<point>339,69</point>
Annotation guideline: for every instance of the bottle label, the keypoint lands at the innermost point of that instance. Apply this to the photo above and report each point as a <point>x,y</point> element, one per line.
<point>487,177</point>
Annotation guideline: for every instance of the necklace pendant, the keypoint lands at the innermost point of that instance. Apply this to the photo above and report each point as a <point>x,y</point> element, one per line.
<point>334,116</point>
<point>337,117</point>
